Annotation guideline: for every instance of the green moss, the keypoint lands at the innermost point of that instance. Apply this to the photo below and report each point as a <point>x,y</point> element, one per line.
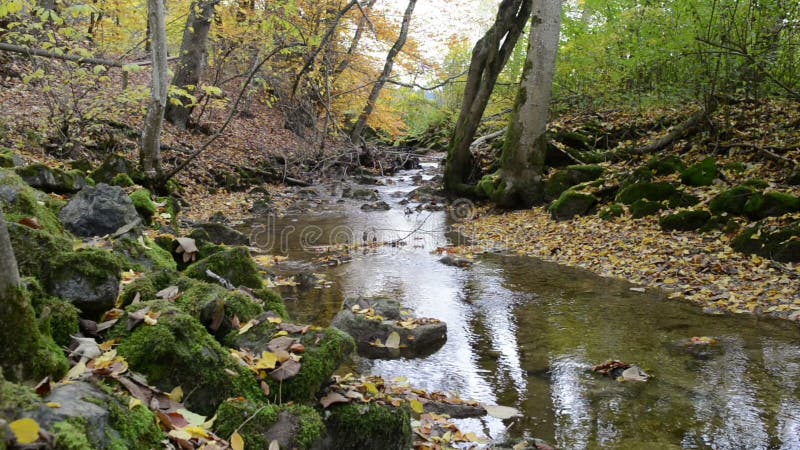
<point>35,250</point>
<point>646,191</point>
<point>735,167</point>
<point>272,302</point>
<point>488,185</point>
<point>233,413</point>
<point>112,166</point>
<point>611,211</point>
<point>571,204</point>
<point>59,319</point>
<point>235,265</point>
<point>756,183</point>
<point>70,434</point>
<point>93,263</point>
<point>732,201</point>
<point>52,179</point>
<point>771,204</point>
<point>144,257</point>
<point>16,399</point>
<point>144,205</point>
<point>780,244</point>
<point>6,159</point>
<point>369,426</point>
<point>701,174</point>
<point>148,286</point>
<point>325,350</point>
<point>122,180</point>
<point>25,352</point>
<point>20,201</point>
<point>643,208</point>
<point>137,427</point>
<point>665,165</point>
<point>685,220</point>
<point>210,302</point>
<point>178,351</point>
<point>561,180</point>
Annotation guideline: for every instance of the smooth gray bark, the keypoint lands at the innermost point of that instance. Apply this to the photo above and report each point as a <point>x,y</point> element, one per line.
<point>150,153</point>
<point>9,273</point>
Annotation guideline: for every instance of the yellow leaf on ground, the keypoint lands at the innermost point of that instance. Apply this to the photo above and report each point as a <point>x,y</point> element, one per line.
<point>268,361</point>
<point>25,430</point>
<point>416,406</point>
<point>134,402</point>
<point>237,442</point>
<point>176,395</point>
<point>53,405</point>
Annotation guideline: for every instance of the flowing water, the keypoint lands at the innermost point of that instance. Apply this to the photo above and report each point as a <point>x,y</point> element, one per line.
<point>525,333</point>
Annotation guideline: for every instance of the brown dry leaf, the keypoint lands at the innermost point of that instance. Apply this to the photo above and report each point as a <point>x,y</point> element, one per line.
<point>331,398</point>
<point>287,370</point>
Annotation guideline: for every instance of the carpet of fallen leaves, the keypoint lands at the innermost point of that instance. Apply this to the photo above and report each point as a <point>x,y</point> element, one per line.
<point>702,268</point>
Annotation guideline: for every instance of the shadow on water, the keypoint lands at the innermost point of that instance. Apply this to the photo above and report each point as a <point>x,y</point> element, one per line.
<point>525,333</point>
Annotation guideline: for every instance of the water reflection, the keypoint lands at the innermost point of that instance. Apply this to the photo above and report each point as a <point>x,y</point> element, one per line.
<point>525,333</point>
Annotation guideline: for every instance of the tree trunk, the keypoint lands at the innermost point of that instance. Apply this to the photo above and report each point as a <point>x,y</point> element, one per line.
<point>194,51</point>
<point>150,153</point>
<point>361,122</point>
<point>520,179</point>
<point>362,22</point>
<point>489,56</point>
<point>9,274</point>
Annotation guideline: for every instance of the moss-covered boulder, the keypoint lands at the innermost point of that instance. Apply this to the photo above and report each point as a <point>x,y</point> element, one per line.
<point>571,204</point>
<point>563,179</point>
<point>7,158</point>
<point>36,250</point>
<point>643,208</point>
<point>216,306</point>
<point>219,233</point>
<point>296,426</point>
<point>122,180</point>
<point>144,204</point>
<point>685,220</point>
<point>732,201</point>
<point>665,165</point>
<point>19,201</point>
<point>234,265</point>
<point>50,179</point>
<point>112,166</point>
<point>26,354</point>
<point>701,174</point>
<point>368,427</point>
<point>756,183</point>
<point>611,211</point>
<point>16,400</point>
<point>778,243</point>
<point>655,192</point>
<point>57,318</point>
<point>89,278</point>
<point>325,350</point>
<point>178,351</point>
<point>97,415</point>
<point>144,255</point>
<point>793,179</point>
<point>771,204</point>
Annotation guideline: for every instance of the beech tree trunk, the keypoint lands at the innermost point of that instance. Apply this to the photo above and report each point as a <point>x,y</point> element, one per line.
<point>520,181</point>
<point>362,22</point>
<point>489,56</point>
<point>150,153</point>
<point>192,62</point>
<point>361,122</point>
<point>9,274</point>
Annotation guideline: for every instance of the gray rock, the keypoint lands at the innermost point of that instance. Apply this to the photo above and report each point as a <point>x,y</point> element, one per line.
<point>367,195</point>
<point>49,179</point>
<point>92,297</point>
<point>98,211</point>
<point>377,206</point>
<point>80,400</point>
<point>219,233</point>
<point>419,340</point>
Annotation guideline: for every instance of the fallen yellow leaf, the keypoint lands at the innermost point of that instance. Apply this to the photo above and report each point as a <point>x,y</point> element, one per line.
<point>25,430</point>
<point>237,442</point>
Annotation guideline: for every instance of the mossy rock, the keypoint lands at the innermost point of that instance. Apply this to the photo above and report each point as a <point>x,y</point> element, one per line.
<point>35,250</point>
<point>219,233</point>
<point>571,204</point>
<point>735,167</point>
<point>16,400</point>
<point>6,158</point>
<point>611,211</point>
<point>144,205</point>
<point>665,165</point>
<point>122,180</point>
<point>112,166</point>
<point>644,208</point>
<point>325,350</point>
<point>82,165</point>
<point>216,306</point>
<point>732,201</point>
<point>780,244</point>
<point>147,286</point>
<point>20,201</point>
<point>295,426</point>
<point>89,278</point>
<point>26,354</point>
<point>794,178</point>
<point>51,179</point>
<point>488,184</point>
<point>71,435</point>
<point>58,318</point>
<point>641,174</point>
<point>685,220</point>
<point>655,192</point>
<point>701,174</point>
<point>144,257</point>
<point>563,179</point>
<point>178,351</point>
<point>368,427</point>
<point>771,204</point>
<point>756,183</point>
<point>235,265</point>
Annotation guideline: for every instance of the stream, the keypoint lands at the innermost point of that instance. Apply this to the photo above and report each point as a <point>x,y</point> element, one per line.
<point>525,333</point>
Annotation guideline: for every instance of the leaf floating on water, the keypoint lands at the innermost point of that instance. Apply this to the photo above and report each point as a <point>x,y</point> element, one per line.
<point>25,430</point>
<point>393,341</point>
<point>502,412</point>
<point>287,370</point>
<point>237,442</point>
<point>331,398</point>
